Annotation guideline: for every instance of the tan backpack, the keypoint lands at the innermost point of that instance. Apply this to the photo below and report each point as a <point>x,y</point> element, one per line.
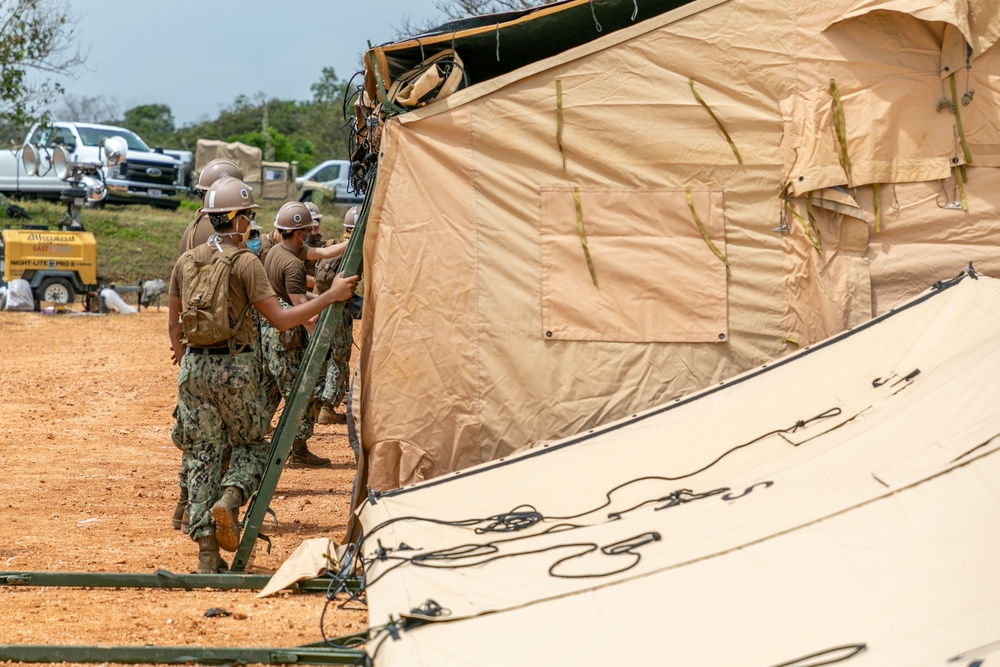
<point>205,299</point>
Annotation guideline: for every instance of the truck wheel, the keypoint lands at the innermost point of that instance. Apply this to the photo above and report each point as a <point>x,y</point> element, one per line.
<point>57,290</point>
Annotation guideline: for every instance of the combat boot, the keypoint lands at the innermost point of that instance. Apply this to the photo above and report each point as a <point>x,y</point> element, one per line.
<point>181,509</point>
<point>301,457</point>
<point>330,416</point>
<point>226,513</point>
<point>209,560</point>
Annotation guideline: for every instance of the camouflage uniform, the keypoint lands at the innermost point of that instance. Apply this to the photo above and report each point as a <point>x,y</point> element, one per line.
<point>284,363</point>
<point>269,387</point>
<point>338,376</point>
<point>220,402</point>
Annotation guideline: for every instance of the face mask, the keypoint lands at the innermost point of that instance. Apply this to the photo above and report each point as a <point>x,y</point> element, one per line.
<point>253,245</point>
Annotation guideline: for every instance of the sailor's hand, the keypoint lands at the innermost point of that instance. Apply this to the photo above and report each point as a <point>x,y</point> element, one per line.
<point>342,288</point>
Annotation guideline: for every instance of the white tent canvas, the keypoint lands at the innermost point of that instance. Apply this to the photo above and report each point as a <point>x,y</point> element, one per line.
<point>837,506</point>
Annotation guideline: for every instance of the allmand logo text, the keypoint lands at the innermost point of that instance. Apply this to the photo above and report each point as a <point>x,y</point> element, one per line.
<point>44,238</point>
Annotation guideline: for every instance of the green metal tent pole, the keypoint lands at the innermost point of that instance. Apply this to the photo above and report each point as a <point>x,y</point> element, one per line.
<point>301,394</point>
<point>179,655</point>
<point>159,579</point>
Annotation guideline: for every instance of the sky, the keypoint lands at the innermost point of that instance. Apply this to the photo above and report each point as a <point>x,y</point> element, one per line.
<point>197,56</point>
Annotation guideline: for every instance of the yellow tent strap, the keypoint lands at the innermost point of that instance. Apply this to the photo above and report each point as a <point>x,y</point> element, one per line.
<point>559,122</point>
<point>811,232</point>
<point>960,178</point>
<point>841,127</point>
<point>732,144</point>
<point>704,234</point>
<point>877,193</point>
<point>958,121</point>
<point>583,234</point>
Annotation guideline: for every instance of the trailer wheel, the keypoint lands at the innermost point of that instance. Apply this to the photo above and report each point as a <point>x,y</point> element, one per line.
<point>57,290</point>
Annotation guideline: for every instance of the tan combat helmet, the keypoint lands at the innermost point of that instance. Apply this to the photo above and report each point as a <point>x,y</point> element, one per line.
<point>216,169</point>
<point>351,217</point>
<point>228,195</point>
<point>293,215</point>
<point>314,211</point>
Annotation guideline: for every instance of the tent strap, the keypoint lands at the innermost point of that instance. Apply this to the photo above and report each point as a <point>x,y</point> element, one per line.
<point>808,227</point>
<point>877,193</point>
<point>583,234</point>
<point>966,153</point>
<point>725,132</point>
<point>960,179</point>
<point>704,234</point>
<point>559,122</point>
<point>841,128</point>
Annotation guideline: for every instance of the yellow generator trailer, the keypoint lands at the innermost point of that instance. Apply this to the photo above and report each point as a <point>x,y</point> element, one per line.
<point>58,265</point>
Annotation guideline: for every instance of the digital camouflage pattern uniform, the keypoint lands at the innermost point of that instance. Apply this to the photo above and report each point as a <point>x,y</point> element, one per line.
<point>283,362</point>
<point>338,376</point>
<point>284,352</point>
<point>221,403</point>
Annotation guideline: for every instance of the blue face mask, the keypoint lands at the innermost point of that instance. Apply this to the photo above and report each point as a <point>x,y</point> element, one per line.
<point>253,245</point>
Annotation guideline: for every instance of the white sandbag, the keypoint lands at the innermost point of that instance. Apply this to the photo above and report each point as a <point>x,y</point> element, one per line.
<point>19,295</point>
<point>114,300</point>
<point>3,296</point>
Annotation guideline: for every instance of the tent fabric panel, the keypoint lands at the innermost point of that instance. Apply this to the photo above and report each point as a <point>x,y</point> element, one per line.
<point>887,66</point>
<point>978,21</point>
<point>419,380</point>
<point>657,279</point>
<point>827,530</point>
<point>909,147</point>
<point>908,581</point>
<point>524,392</point>
<point>926,236</point>
<point>980,118</point>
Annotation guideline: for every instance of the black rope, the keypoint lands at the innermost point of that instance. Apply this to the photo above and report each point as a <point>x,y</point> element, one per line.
<point>527,516</point>
<point>827,656</point>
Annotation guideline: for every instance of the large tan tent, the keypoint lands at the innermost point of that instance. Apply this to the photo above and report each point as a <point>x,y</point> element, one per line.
<point>621,201</point>
<point>836,506</point>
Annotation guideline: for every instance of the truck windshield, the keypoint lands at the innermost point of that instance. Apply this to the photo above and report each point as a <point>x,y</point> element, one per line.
<point>91,136</point>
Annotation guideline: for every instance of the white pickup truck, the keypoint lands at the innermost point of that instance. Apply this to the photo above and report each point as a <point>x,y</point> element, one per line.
<point>146,177</point>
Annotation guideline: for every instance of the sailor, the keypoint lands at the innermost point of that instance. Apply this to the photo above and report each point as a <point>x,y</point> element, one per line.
<point>338,370</point>
<point>219,399</point>
<point>284,351</point>
<point>195,234</point>
<point>199,229</point>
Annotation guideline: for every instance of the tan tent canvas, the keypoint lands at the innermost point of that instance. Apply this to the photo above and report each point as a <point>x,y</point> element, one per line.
<point>837,506</point>
<point>683,192</point>
<point>270,180</point>
<point>247,157</point>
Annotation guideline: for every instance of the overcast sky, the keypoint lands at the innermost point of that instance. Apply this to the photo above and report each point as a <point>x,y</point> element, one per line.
<point>197,56</point>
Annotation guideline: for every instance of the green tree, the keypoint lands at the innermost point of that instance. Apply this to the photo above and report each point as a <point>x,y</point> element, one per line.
<point>324,124</point>
<point>286,149</point>
<point>36,37</point>
<point>153,122</point>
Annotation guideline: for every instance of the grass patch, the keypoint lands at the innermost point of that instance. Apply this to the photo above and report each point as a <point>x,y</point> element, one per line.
<point>137,242</point>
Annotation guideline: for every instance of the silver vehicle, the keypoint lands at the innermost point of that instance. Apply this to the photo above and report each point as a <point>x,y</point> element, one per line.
<point>146,177</point>
<point>330,177</point>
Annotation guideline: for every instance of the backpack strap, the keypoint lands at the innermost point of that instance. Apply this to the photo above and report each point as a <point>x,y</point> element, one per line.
<point>230,259</point>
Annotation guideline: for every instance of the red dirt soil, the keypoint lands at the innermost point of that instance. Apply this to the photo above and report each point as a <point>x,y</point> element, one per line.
<point>91,484</point>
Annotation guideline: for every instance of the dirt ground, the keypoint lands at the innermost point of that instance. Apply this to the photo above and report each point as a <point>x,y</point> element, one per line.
<point>90,484</point>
